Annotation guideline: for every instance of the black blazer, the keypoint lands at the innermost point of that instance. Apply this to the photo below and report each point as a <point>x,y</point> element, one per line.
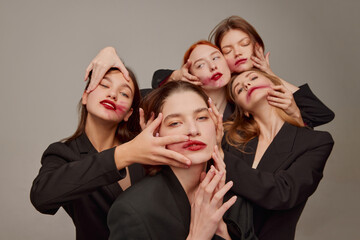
<point>158,208</point>
<point>76,177</point>
<point>313,111</point>
<point>288,173</point>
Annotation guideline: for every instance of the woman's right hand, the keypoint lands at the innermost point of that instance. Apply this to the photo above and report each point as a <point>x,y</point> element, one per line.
<point>207,208</point>
<point>106,59</point>
<point>184,74</point>
<point>149,149</point>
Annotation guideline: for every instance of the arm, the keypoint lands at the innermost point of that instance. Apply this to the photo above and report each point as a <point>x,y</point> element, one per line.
<point>64,176</point>
<point>162,76</point>
<point>287,187</point>
<point>313,111</point>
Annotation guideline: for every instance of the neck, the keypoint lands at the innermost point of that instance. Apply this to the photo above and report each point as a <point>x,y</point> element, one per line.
<point>218,96</point>
<point>189,178</point>
<point>269,122</point>
<point>100,133</point>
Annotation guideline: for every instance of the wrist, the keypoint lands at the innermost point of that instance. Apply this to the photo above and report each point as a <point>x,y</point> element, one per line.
<point>123,156</point>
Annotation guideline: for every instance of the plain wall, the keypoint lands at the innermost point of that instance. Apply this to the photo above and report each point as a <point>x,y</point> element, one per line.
<point>45,47</point>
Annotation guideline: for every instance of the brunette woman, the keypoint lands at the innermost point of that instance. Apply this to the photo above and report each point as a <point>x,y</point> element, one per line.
<point>87,171</point>
<point>274,162</point>
<point>175,204</point>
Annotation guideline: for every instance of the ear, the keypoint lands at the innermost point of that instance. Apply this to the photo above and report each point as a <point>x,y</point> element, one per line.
<point>128,114</point>
<point>84,98</point>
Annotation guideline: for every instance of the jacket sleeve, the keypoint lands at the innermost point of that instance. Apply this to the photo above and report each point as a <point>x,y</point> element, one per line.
<point>124,222</point>
<point>63,176</point>
<point>313,111</point>
<point>160,76</point>
<point>285,188</point>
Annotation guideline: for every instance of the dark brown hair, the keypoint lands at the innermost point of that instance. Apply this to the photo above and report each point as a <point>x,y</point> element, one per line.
<point>236,23</point>
<point>154,102</point>
<point>125,130</point>
<point>240,129</point>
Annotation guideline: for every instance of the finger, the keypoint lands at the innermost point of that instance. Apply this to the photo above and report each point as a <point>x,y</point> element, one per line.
<point>202,176</point>
<point>97,75</point>
<point>256,59</point>
<point>267,58</point>
<point>162,160</point>
<point>151,119</point>
<point>209,189</point>
<point>167,140</point>
<point>209,175</point>
<point>191,77</point>
<point>219,161</point>
<point>155,124</point>
<point>87,71</point>
<point>187,65</point>
<point>222,210</point>
<point>219,195</point>
<point>120,65</point>
<point>173,157</point>
<point>142,118</point>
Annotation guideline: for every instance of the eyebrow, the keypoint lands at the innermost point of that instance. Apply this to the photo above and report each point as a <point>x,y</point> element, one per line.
<point>203,58</point>
<point>178,114</point>
<point>249,73</point>
<point>122,85</point>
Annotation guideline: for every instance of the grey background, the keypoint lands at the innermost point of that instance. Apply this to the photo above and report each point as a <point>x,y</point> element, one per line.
<point>45,47</point>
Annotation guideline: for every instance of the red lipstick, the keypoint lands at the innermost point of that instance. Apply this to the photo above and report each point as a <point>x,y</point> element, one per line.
<point>252,89</point>
<point>216,76</point>
<point>241,61</point>
<point>194,145</point>
<point>108,104</point>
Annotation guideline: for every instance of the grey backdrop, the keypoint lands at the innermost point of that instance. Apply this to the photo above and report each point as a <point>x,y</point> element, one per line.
<point>45,47</point>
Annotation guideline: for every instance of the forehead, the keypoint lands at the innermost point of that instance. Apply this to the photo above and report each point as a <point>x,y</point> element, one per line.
<point>184,102</point>
<point>117,77</point>
<point>233,35</point>
<point>202,51</point>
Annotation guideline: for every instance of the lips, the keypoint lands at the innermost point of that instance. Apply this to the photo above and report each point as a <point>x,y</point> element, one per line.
<point>216,76</point>
<point>240,61</point>
<point>252,89</point>
<point>194,145</point>
<point>108,104</point>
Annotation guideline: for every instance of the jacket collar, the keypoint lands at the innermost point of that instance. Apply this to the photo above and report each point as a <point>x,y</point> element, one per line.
<point>84,145</point>
<point>180,198</point>
<point>280,148</point>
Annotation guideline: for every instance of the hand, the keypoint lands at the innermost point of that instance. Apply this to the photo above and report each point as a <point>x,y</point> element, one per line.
<point>282,98</point>
<point>218,120</point>
<point>146,148</point>
<point>206,212</point>
<point>260,60</point>
<point>106,59</point>
<point>183,74</point>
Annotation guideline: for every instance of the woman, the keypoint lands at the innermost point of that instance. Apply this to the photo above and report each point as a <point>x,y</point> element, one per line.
<point>274,163</point>
<point>175,204</point>
<point>243,49</point>
<point>86,172</point>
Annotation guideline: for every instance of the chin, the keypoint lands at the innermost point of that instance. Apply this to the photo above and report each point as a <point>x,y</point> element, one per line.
<point>198,157</point>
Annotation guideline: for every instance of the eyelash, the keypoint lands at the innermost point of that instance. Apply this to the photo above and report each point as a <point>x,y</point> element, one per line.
<point>103,85</point>
<point>124,94</point>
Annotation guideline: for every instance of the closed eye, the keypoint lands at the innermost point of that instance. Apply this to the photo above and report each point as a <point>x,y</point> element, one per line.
<point>174,124</point>
<point>103,85</point>
<point>239,90</point>
<point>253,78</point>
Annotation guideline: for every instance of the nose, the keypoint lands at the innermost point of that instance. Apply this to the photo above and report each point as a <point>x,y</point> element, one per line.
<point>112,94</point>
<point>237,51</point>
<point>247,85</point>
<point>193,129</point>
<point>213,66</point>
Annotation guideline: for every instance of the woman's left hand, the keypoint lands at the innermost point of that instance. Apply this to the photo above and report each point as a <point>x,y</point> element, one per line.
<point>279,96</point>
<point>260,60</point>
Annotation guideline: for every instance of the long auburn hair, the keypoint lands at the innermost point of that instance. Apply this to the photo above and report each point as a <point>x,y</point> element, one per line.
<point>125,130</point>
<point>154,102</point>
<point>235,23</point>
<point>240,129</point>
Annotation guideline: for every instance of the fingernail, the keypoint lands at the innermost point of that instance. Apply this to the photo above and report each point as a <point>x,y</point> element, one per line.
<point>210,101</point>
<point>210,110</point>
